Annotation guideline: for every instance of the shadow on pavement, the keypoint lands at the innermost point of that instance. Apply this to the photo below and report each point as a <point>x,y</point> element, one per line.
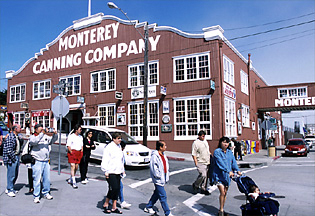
<point>187,188</point>
<point>214,211</point>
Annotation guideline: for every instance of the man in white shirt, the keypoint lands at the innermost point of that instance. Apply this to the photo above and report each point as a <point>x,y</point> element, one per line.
<point>201,156</point>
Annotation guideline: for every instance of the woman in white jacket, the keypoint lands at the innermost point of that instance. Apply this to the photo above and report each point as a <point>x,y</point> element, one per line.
<point>113,166</point>
<point>159,171</point>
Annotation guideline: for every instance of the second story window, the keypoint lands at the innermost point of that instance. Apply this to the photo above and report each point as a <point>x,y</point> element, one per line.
<point>244,82</point>
<point>228,67</point>
<point>136,74</point>
<point>103,81</point>
<point>292,92</point>
<point>73,84</point>
<point>17,93</point>
<point>41,89</point>
<point>191,67</point>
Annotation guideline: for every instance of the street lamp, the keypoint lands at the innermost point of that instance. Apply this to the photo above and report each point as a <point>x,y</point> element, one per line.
<point>111,5</point>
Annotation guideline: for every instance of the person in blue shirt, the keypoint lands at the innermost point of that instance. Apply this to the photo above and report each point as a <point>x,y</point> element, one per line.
<point>224,167</point>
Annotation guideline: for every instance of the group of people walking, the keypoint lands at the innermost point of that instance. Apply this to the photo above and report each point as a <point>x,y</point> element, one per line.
<point>218,167</point>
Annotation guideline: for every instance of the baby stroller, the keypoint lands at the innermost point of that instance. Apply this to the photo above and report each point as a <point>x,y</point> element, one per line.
<point>262,205</point>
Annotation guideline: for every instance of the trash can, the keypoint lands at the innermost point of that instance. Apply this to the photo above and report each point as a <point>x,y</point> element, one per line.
<point>272,151</point>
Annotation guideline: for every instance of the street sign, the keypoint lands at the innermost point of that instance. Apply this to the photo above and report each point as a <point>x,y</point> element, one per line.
<point>59,106</point>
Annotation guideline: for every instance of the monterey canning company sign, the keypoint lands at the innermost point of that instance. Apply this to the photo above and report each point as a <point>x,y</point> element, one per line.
<point>88,37</point>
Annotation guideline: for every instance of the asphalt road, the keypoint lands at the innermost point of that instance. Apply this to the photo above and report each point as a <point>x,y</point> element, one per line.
<point>291,178</point>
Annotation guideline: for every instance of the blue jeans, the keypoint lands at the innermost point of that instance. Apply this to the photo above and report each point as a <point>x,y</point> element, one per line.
<point>12,173</point>
<point>159,193</point>
<point>121,192</point>
<point>41,170</point>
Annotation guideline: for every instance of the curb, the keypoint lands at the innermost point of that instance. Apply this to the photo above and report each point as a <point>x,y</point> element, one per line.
<point>175,158</point>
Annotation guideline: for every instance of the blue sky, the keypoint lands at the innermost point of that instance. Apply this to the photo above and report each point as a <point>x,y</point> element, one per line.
<point>287,56</point>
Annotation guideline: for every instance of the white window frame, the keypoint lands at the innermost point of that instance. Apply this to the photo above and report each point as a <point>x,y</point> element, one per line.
<point>139,75</point>
<point>244,82</point>
<point>185,69</point>
<point>139,119</point>
<point>38,89</point>
<point>106,83</point>
<point>230,117</point>
<point>228,68</point>
<point>245,116</point>
<point>45,119</point>
<point>19,118</point>
<point>287,90</point>
<point>186,115</point>
<point>107,106</point>
<point>67,81</point>
<point>23,85</point>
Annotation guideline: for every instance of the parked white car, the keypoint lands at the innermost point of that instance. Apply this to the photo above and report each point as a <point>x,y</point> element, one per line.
<point>135,153</point>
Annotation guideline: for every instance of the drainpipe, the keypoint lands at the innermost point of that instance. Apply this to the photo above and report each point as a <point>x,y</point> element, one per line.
<point>222,113</point>
<point>249,81</point>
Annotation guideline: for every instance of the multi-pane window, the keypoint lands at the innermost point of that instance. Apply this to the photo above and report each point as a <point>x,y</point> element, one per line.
<point>192,115</point>
<point>245,116</point>
<point>19,118</point>
<point>136,111</point>
<point>73,84</point>
<point>136,74</point>
<point>102,81</point>
<point>292,92</point>
<point>244,82</point>
<point>192,67</point>
<point>107,115</point>
<point>43,120</point>
<point>230,118</point>
<point>17,93</point>
<point>228,67</point>
<point>41,89</point>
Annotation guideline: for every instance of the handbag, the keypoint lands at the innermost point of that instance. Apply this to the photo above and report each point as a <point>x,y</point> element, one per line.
<point>26,156</point>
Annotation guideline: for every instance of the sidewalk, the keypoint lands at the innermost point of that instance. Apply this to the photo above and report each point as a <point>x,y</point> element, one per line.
<point>86,200</point>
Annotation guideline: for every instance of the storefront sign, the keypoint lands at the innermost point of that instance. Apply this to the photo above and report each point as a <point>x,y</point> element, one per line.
<point>85,39</point>
<point>121,118</point>
<point>166,128</point>
<point>229,91</point>
<point>163,90</point>
<point>139,92</point>
<point>121,109</point>
<point>118,95</point>
<point>40,113</point>
<point>166,119</point>
<point>166,107</point>
<point>307,101</point>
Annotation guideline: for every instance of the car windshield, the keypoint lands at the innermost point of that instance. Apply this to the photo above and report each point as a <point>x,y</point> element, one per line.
<point>296,142</point>
<point>128,140</point>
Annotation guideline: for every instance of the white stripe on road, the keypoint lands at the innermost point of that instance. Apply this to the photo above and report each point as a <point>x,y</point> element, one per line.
<point>137,184</point>
<point>294,165</point>
<point>192,203</point>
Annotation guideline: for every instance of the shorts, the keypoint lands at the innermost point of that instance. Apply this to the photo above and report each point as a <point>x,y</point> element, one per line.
<point>75,156</point>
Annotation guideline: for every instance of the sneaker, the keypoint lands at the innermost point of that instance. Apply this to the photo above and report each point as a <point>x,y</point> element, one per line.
<point>69,181</point>
<point>85,181</point>
<point>74,185</point>
<point>36,200</point>
<point>125,205</point>
<point>11,194</point>
<point>48,196</point>
<point>6,191</point>
<point>149,210</point>
<point>170,214</point>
